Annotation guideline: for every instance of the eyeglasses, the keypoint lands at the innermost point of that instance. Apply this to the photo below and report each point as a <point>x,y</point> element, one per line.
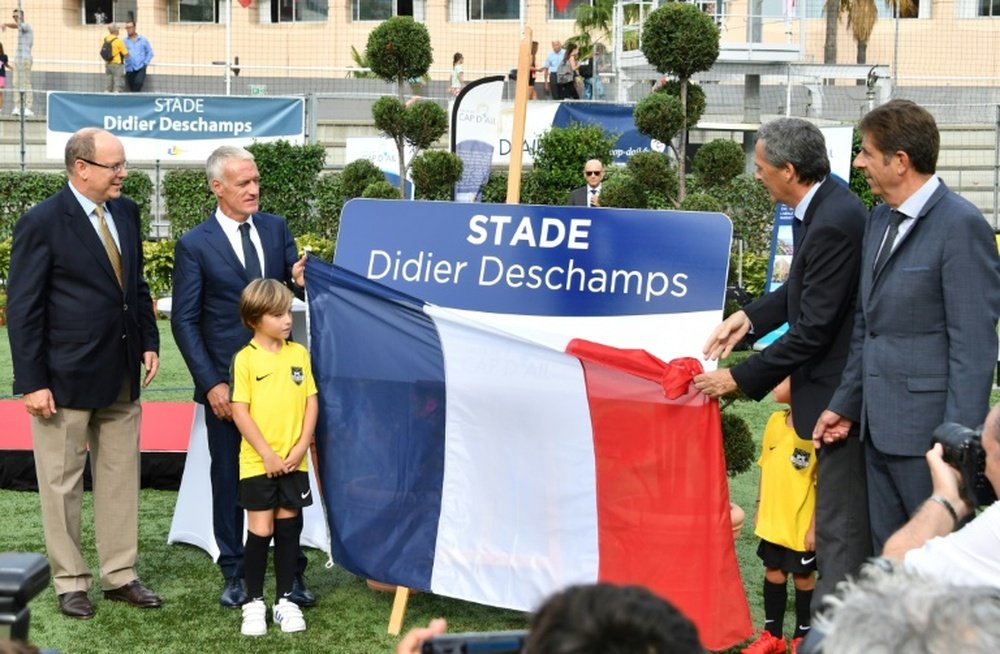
<point>592,173</point>
<point>115,168</point>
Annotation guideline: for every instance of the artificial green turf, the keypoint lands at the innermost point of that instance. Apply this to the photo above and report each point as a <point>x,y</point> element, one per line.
<point>349,618</point>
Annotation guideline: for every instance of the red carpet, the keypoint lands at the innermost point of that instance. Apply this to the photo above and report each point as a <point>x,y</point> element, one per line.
<point>163,441</point>
<point>166,426</point>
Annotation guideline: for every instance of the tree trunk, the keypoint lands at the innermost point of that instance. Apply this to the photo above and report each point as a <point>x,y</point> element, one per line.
<point>863,52</point>
<point>832,8</point>
<point>401,147</point>
<point>682,156</point>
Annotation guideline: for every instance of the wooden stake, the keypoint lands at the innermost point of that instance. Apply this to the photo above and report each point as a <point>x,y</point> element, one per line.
<point>520,109</point>
<point>398,610</point>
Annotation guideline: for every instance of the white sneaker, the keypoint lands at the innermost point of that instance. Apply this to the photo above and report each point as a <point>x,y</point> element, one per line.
<point>254,618</point>
<point>16,112</point>
<point>289,616</point>
<point>29,112</point>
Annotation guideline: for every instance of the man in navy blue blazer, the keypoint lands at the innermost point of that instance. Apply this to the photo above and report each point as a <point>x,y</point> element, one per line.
<point>81,327</point>
<point>924,345</point>
<point>213,263</point>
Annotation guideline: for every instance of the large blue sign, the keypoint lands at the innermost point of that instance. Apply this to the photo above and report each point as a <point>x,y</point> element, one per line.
<point>651,280</point>
<point>557,261</point>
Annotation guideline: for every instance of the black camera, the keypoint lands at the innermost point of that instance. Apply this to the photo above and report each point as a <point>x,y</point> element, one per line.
<point>22,576</point>
<point>963,451</point>
<point>494,642</point>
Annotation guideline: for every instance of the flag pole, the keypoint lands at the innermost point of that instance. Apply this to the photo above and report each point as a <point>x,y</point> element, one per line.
<point>520,109</point>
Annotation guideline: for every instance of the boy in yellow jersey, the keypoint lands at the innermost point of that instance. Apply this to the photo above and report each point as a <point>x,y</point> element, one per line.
<point>275,407</point>
<point>785,523</point>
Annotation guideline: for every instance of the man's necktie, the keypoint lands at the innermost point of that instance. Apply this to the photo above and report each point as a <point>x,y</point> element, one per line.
<point>797,232</point>
<point>109,245</point>
<point>895,218</point>
<point>593,196</point>
<point>250,260</point>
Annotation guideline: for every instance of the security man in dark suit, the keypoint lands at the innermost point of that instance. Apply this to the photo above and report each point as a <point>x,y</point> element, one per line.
<point>817,301</point>
<point>589,195</point>
<point>81,327</point>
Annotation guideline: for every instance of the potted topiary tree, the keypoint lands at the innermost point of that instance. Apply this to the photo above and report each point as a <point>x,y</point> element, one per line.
<point>740,451</point>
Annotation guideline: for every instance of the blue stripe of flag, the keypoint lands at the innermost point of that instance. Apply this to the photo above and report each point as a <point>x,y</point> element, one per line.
<point>377,358</point>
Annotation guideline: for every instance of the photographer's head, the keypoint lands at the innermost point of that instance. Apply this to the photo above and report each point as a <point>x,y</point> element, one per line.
<point>609,619</point>
<point>896,610</point>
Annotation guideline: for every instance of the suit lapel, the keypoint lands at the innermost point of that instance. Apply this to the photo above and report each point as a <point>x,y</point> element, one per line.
<point>125,238</point>
<point>79,224</point>
<point>273,246</point>
<point>906,237</point>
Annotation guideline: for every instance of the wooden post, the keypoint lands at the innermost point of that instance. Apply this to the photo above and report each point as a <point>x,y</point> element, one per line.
<point>398,610</point>
<point>520,109</point>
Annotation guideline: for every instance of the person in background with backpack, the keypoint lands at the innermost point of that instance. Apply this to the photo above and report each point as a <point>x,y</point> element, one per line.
<point>140,53</point>
<point>113,52</point>
<point>566,73</point>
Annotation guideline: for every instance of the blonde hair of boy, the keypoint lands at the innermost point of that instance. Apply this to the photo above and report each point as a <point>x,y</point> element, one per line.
<point>263,297</point>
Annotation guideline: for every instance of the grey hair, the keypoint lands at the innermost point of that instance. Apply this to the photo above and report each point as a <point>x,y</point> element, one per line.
<point>888,610</point>
<point>797,142</point>
<point>220,157</point>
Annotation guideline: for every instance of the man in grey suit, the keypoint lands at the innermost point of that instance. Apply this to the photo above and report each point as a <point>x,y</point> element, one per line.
<point>817,301</point>
<point>925,344</point>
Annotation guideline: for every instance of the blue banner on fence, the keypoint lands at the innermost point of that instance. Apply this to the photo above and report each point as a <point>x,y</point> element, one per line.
<point>175,127</point>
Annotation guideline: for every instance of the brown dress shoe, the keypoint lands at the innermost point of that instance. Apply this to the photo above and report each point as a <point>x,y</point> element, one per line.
<point>135,594</point>
<point>76,604</point>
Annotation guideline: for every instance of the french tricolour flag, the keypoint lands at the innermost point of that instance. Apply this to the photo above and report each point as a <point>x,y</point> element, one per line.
<point>463,461</point>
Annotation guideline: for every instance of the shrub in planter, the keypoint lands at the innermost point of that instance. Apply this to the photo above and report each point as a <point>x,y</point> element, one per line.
<point>737,444</point>
<point>434,174</point>
<point>717,162</point>
<point>381,190</point>
<point>622,190</point>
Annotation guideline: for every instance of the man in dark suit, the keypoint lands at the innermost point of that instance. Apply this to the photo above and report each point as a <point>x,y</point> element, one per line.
<point>925,344</point>
<point>213,263</point>
<point>817,301</point>
<point>589,195</point>
<point>81,324</point>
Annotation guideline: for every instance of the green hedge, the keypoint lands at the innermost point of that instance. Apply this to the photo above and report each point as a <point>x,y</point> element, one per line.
<point>187,199</point>
<point>21,191</point>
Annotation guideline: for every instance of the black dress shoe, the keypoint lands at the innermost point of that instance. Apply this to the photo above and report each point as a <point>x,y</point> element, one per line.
<point>234,593</point>
<point>300,594</point>
<point>75,604</point>
<point>136,594</point>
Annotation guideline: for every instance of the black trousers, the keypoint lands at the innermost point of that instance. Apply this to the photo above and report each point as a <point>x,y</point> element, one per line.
<point>135,79</point>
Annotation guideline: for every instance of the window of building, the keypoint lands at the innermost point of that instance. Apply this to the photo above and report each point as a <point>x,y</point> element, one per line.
<point>100,12</point>
<point>198,11</point>
<point>293,11</point>
<point>990,8</point>
<point>464,10</point>
<point>568,11</point>
<point>383,9</point>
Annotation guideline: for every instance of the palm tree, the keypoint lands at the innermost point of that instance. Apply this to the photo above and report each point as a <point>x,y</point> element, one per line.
<point>861,18</point>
